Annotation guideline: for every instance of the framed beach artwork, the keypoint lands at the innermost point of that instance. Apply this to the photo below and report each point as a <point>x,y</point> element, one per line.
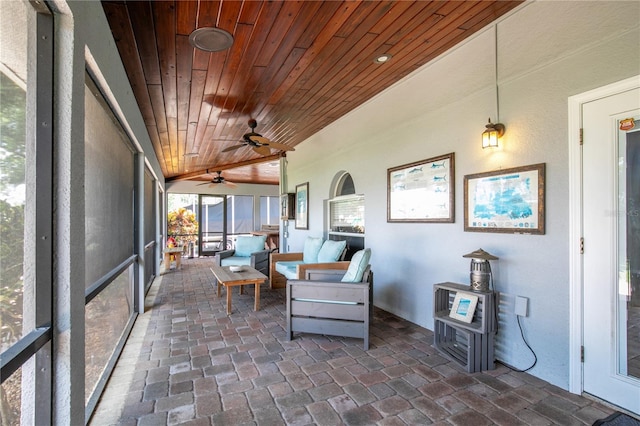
<point>508,201</point>
<point>422,191</point>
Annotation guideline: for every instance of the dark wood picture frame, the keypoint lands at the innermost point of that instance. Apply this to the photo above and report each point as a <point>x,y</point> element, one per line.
<point>508,201</point>
<point>423,191</point>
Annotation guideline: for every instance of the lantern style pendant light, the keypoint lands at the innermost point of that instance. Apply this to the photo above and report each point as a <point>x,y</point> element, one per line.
<point>494,131</point>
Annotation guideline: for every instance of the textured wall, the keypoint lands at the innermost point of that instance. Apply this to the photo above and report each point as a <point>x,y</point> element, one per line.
<point>547,51</point>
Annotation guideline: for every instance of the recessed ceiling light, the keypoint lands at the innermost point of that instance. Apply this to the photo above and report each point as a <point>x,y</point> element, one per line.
<point>211,39</point>
<point>382,58</point>
<point>191,154</point>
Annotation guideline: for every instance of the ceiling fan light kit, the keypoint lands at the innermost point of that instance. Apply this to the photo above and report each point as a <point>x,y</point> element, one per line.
<point>210,39</point>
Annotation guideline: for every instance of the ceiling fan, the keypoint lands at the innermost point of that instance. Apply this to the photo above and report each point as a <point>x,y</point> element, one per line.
<point>259,143</point>
<point>218,179</point>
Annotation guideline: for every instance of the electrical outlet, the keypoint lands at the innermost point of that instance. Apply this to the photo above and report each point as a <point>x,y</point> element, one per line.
<point>521,306</point>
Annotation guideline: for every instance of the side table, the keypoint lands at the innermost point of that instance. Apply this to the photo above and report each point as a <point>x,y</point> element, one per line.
<point>469,344</point>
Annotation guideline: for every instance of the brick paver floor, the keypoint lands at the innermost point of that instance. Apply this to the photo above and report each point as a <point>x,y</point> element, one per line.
<point>188,362</point>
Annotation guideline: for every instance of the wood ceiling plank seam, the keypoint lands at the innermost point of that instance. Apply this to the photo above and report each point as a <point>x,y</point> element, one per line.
<point>125,42</point>
<point>186,15</point>
<point>357,57</point>
<point>197,92</point>
<point>407,24</point>
<point>164,19</point>
<point>200,60</point>
<point>412,50</point>
<point>306,16</point>
<point>367,22</point>
<point>142,26</point>
<point>157,147</point>
<point>362,12</point>
<point>207,15</point>
<point>157,103</point>
<point>234,58</point>
<point>216,63</point>
<point>256,40</point>
<point>324,37</point>
<point>276,77</point>
<point>281,25</point>
<point>176,152</point>
<point>434,29</point>
<point>325,12</point>
<point>399,12</point>
<point>183,79</point>
<point>166,151</point>
<point>250,11</point>
<point>229,14</point>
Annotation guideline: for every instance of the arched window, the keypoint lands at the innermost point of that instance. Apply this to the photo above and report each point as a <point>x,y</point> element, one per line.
<point>346,213</point>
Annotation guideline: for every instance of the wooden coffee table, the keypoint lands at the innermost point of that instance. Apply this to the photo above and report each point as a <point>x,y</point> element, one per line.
<point>249,275</point>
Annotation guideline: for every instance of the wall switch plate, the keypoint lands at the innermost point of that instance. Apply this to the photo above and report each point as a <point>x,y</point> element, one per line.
<point>521,306</point>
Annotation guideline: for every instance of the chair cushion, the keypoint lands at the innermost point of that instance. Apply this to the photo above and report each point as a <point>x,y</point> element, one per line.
<point>358,264</point>
<point>311,249</point>
<point>247,244</point>
<point>236,260</point>
<point>289,268</point>
<point>331,251</point>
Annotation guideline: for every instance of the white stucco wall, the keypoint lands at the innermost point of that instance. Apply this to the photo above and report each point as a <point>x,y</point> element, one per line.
<point>547,51</point>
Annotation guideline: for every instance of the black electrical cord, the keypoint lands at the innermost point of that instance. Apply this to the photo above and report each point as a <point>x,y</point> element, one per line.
<point>495,313</point>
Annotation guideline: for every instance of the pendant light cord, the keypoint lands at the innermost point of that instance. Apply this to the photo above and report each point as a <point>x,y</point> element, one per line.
<point>495,74</point>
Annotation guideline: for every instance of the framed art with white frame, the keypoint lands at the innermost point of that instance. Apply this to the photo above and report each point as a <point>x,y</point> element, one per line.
<point>464,306</point>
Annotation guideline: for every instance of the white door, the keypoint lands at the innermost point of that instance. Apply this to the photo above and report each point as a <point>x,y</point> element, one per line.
<point>611,262</point>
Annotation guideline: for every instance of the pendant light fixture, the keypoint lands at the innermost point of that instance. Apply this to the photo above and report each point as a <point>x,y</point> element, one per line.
<point>494,131</point>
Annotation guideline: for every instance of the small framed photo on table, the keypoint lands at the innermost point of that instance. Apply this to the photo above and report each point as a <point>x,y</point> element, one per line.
<point>464,306</point>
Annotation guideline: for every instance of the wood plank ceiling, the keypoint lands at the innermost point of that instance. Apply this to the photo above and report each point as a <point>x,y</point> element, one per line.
<point>294,66</point>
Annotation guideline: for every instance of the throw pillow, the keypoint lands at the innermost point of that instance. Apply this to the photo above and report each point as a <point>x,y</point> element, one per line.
<point>247,244</point>
<point>311,248</point>
<point>331,251</point>
<point>358,264</point>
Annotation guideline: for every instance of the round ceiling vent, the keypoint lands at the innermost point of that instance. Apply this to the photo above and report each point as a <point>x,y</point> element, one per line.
<point>211,39</point>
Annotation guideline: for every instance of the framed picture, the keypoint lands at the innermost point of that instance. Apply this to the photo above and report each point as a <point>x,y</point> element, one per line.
<point>287,206</point>
<point>422,191</point>
<point>302,206</point>
<point>464,306</point>
<point>509,201</point>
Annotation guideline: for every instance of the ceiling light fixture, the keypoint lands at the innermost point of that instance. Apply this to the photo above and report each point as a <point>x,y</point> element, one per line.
<point>383,58</point>
<point>210,39</point>
<point>494,131</point>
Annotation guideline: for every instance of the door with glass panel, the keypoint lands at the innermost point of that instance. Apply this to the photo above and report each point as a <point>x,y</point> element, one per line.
<point>213,234</point>
<point>611,271</point>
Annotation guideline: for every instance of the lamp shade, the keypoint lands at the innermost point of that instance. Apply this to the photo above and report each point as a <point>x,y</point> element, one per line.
<point>491,134</point>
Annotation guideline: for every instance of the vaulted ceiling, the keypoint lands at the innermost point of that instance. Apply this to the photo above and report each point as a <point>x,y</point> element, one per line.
<point>294,67</point>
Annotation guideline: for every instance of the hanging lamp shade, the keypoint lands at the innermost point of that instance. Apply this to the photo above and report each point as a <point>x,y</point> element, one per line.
<point>491,134</point>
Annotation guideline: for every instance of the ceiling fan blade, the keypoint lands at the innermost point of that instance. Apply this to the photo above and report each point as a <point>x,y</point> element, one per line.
<point>260,139</point>
<point>203,183</point>
<point>231,148</point>
<point>280,146</point>
<point>230,184</point>
<point>262,150</point>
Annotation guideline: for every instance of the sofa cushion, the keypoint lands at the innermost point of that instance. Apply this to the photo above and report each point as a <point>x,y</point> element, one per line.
<point>331,251</point>
<point>236,260</point>
<point>247,244</point>
<point>289,268</point>
<point>311,249</point>
<point>358,264</point>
